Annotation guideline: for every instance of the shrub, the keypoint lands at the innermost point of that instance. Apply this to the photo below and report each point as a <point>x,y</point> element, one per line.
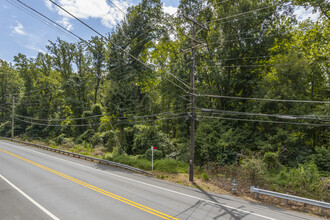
<point>304,180</point>
<point>61,139</point>
<point>253,166</point>
<point>163,165</point>
<point>96,139</point>
<point>321,158</point>
<point>157,154</point>
<point>203,176</point>
<point>131,161</point>
<point>147,136</point>
<point>271,162</point>
<point>170,166</point>
<point>86,136</point>
<point>5,129</point>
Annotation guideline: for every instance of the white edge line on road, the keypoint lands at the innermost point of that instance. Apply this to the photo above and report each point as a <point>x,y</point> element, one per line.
<point>147,184</point>
<point>30,199</point>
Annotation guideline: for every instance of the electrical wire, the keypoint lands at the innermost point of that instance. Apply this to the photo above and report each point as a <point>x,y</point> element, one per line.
<point>135,58</point>
<point>243,13</point>
<point>50,20</point>
<point>55,23</point>
<point>289,117</point>
<point>38,18</point>
<point>248,38</point>
<point>58,119</point>
<point>263,121</point>
<point>96,116</point>
<point>130,117</point>
<point>61,28</point>
<point>262,65</point>
<point>262,99</point>
<point>96,124</point>
<point>116,6</point>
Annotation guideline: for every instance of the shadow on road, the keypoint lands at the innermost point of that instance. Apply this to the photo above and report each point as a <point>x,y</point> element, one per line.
<point>212,209</point>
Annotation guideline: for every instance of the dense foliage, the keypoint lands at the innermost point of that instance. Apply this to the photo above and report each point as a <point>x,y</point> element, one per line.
<point>130,90</point>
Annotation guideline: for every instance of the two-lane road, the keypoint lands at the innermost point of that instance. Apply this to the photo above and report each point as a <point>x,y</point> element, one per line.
<point>37,184</point>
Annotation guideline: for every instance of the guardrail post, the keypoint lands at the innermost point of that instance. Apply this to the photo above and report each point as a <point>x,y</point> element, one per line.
<point>287,201</point>
<point>322,209</point>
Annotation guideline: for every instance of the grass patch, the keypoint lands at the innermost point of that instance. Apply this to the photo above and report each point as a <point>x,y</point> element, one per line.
<point>170,166</point>
<point>143,164</point>
<point>163,165</point>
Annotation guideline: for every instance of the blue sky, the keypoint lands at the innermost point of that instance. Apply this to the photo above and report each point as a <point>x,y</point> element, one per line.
<point>23,33</point>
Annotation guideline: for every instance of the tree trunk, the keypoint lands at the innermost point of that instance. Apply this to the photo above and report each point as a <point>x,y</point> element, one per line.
<point>96,89</point>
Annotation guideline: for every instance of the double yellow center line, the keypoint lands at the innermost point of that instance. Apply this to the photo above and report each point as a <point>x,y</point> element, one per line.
<point>104,192</point>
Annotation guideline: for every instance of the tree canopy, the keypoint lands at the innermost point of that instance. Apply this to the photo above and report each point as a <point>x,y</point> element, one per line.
<point>256,64</point>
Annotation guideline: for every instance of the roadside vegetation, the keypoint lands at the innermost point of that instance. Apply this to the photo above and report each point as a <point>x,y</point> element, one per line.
<point>116,97</point>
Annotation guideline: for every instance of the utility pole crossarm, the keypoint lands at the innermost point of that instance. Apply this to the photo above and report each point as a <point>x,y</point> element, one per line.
<point>194,47</point>
<point>194,21</point>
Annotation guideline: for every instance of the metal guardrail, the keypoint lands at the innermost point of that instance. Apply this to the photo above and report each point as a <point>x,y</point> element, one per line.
<point>81,156</point>
<point>321,204</point>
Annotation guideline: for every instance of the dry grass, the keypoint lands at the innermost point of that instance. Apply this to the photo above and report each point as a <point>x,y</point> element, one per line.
<point>223,185</point>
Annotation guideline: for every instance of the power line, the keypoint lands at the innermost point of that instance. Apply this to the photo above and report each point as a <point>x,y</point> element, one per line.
<point>289,117</point>
<point>243,13</point>
<point>262,65</point>
<point>149,116</point>
<point>96,124</point>
<point>248,38</point>
<point>182,82</point>
<point>97,116</point>
<point>248,16</point>
<point>116,6</point>
<point>55,23</point>
<point>241,58</point>
<point>262,99</point>
<point>262,121</point>
<point>58,119</point>
<point>39,18</point>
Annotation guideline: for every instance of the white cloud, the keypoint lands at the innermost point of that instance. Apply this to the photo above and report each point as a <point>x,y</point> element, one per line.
<point>86,9</point>
<point>303,14</point>
<point>31,47</point>
<point>170,9</point>
<point>49,5</point>
<point>19,29</point>
<point>65,22</point>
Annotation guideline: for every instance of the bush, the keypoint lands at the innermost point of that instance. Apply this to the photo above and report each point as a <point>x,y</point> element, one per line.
<point>304,180</point>
<point>271,162</point>
<point>163,165</point>
<point>157,154</point>
<point>253,166</point>
<point>321,158</point>
<point>5,129</point>
<point>170,166</point>
<point>147,136</point>
<point>96,139</point>
<point>203,176</point>
<point>61,139</point>
<point>131,161</point>
<point>86,136</point>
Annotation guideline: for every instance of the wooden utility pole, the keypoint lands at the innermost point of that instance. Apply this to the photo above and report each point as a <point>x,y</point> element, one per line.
<point>192,110</point>
<point>13,118</point>
<point>195,44</point>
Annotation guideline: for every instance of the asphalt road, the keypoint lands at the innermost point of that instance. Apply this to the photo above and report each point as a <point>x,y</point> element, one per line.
<point>37,184</point>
